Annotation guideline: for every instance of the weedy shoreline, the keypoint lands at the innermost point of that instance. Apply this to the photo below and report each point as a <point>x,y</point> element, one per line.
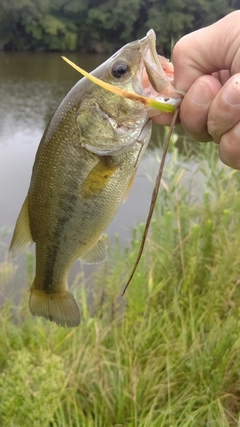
<point>167,354</point>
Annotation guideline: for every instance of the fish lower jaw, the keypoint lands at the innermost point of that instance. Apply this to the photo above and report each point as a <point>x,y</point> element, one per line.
<point>168,100</point>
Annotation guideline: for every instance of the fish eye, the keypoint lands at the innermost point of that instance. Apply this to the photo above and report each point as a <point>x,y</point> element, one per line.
<point>120,69</point>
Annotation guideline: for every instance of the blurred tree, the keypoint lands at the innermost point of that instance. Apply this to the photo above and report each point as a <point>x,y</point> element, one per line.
<point>102,25</point>
<point>15,15</point>
<point>172,19</point>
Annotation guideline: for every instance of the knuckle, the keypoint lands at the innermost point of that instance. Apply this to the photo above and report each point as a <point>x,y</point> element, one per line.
<point>213,127</point>
<point>179,50</point>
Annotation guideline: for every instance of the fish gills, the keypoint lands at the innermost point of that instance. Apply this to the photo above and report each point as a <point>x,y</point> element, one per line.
<point>59,307</point>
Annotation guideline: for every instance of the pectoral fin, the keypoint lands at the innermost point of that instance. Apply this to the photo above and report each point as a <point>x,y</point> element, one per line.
<point>96,254</point>
<point>22,237</point>
<point>98,179</point>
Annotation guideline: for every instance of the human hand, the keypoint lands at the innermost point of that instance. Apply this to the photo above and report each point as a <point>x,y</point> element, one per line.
<point>207,67</point>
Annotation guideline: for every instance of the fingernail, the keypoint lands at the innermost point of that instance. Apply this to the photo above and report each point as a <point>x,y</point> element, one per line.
<point>237,129</point>
<point>232,93</point>
<point>201,95</point>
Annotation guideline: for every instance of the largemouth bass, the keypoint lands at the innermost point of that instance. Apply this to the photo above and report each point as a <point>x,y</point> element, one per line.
<point>84,166</point>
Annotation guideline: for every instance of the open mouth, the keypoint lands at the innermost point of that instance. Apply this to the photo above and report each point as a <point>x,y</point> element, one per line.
<point>157,73</point>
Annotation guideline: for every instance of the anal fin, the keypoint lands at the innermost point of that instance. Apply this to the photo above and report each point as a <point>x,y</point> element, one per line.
<point>22,237</point>
<point>96,254</point>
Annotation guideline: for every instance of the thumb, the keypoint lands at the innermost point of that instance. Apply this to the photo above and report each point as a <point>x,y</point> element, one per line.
<point>205,51</point>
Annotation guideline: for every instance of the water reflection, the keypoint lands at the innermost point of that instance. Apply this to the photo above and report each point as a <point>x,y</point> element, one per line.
<point>32,85</point>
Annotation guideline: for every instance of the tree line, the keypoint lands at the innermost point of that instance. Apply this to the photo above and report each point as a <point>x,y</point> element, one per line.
<point>102,26</point>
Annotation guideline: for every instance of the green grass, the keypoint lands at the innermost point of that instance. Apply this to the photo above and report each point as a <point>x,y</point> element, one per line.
<point>168,353</point>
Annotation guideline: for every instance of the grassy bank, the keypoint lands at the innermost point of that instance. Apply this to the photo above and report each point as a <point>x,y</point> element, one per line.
<point>168,353</point>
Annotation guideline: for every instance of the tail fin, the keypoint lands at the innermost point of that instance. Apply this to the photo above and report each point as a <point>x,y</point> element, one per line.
<point>59,307</point>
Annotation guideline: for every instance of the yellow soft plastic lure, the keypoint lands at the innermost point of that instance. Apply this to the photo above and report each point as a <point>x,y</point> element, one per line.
<point>149,102</point>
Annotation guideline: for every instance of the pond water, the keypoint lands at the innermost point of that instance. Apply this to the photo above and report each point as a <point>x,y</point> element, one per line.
<point>31,87</point>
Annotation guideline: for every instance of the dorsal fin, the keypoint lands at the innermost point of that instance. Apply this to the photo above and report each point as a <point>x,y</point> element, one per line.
<point>129,186</point>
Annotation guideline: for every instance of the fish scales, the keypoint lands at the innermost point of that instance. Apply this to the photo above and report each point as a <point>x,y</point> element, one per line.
<point>82,172</point>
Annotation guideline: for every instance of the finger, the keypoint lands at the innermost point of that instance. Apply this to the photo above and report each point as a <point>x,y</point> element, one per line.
<point>229,148</point>
<point>224,112</point>
<point>207,50</point>
<point>195,107</point>
<point>222,76</point>
<point>164,119</point>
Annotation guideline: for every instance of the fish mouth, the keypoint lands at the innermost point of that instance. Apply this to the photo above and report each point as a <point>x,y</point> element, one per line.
<point>157,73</point>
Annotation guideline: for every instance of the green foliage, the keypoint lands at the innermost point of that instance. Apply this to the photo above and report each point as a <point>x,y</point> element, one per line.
<point>167,354</point>
<point>30,390</point>
<point>173,19</point>
<point>31,25</point>
<point>106,25</point>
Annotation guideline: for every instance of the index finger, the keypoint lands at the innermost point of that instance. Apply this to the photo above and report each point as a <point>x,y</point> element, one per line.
<point>208,50</point>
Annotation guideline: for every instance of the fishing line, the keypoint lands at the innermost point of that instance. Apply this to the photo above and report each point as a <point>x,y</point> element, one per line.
<point>153,199</point>
<point>149,102</point>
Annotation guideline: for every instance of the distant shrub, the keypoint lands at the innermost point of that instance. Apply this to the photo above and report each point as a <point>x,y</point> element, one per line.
<point>30,390</point>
